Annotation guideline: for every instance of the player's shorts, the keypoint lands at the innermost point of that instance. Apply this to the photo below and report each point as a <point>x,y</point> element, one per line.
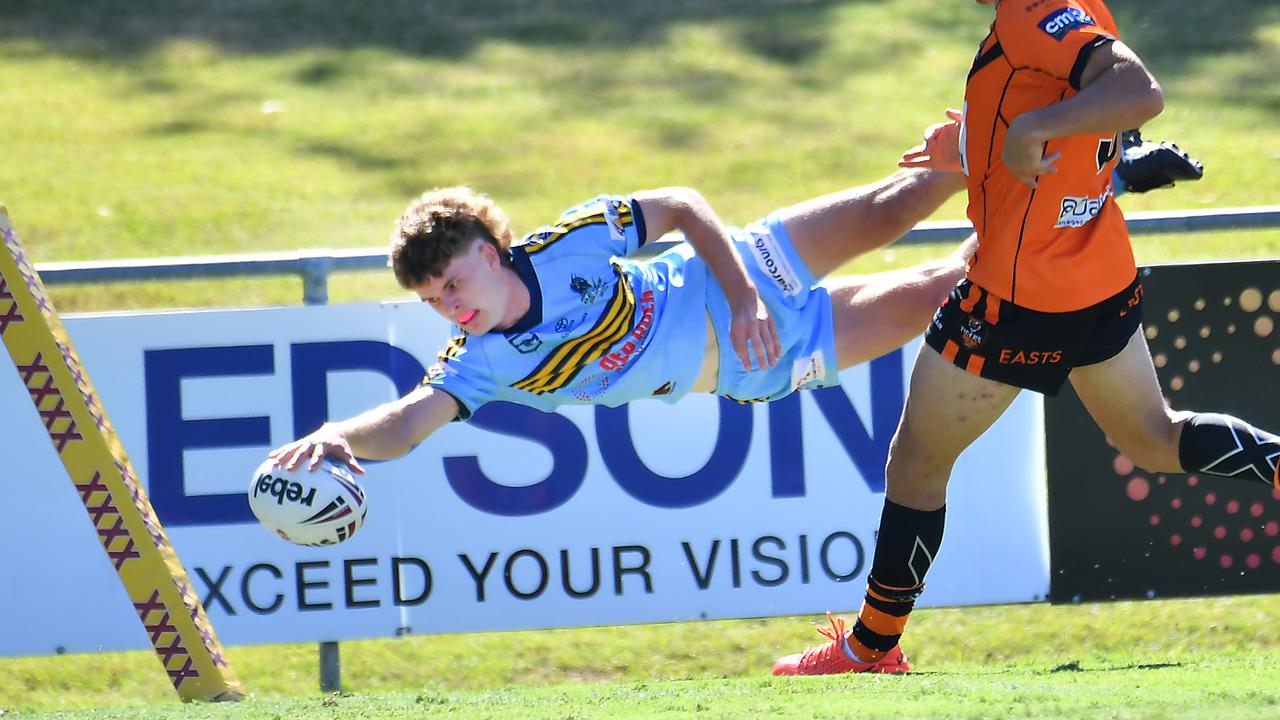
<point>995,339</point>
<point>800,308</point>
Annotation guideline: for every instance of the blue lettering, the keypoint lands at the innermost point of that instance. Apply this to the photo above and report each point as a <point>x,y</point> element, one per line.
<point>555,432</point>
<point>169,435</point>
<point>868,451</point>
<point>733,441</point>
<point>786,447</point>
<point>312,363</point>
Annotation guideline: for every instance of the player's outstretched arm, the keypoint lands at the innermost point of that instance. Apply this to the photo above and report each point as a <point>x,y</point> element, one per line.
<point>1117,93</point>
<point>676,208</point>
<point>382,433</point>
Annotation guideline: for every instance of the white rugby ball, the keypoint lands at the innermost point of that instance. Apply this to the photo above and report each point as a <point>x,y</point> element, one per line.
<point>324,507</point>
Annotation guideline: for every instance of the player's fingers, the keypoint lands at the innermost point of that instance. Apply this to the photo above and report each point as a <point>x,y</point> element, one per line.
<point>317,455</point>
<point>762,352</point>
<point>290,458</point>
<point>349,457</point>
<point>955,114</point>
<point>775,343</point>
<point>914,157</point>
<point>740,349</point>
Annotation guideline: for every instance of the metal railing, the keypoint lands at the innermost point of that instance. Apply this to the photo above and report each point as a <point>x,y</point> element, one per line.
<point>315,266</point>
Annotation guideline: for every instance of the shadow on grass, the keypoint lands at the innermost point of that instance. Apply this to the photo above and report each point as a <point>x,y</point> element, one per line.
<point>1074,666</point>
<point>443,28</point>
<point>1172,35</point>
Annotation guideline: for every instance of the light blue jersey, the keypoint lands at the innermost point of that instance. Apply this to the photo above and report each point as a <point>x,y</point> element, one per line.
<point>603,329</point>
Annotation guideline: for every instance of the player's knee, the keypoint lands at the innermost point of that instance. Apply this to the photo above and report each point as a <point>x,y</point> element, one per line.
<point>913,456</point>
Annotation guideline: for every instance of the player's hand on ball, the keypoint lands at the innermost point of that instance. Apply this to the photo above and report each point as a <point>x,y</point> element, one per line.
<point>314,448</point>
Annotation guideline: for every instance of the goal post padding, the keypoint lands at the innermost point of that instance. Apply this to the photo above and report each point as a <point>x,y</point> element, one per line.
<point>132,537</point>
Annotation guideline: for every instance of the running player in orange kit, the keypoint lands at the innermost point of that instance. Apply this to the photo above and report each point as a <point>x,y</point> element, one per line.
<point>1052,294</point>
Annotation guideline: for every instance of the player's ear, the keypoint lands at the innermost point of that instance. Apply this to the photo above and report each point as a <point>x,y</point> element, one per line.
<point>490,254</point>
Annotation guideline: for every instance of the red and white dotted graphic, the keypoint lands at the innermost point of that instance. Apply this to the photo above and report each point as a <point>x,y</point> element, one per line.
<point>1205,519</point>
<point>1211,519</point>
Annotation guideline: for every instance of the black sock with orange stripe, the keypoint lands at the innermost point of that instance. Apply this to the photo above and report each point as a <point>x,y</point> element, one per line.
<point>905,547</point>
<point>1230,447</point>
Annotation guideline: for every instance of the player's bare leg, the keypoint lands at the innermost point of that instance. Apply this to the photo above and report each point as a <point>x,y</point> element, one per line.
<point>946,410</point>
<point>876,313</point>
<point>831,230</point>
<point>1124,398</point>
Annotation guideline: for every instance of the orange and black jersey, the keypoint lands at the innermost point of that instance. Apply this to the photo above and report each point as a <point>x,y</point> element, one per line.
<point>1061,245</point>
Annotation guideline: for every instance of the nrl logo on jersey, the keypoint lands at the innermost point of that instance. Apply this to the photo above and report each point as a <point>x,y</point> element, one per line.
<point>1063,21</point>
<point>525,343</point>
<point>589,291</point>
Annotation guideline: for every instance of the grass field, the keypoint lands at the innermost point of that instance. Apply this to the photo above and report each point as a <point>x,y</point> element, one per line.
<point>176,128</point>
<point>1206,658</point>
<point>214,127</point>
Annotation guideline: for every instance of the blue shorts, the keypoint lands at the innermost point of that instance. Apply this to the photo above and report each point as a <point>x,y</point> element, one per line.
<point>801,310</point>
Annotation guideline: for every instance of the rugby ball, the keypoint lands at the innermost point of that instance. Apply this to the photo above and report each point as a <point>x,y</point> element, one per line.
<point>321,507</point>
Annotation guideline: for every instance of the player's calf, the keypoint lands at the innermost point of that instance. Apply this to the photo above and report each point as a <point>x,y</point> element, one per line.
<point>1230,447</point>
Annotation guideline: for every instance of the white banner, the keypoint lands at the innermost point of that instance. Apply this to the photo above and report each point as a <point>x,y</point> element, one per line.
<point>518,519</point>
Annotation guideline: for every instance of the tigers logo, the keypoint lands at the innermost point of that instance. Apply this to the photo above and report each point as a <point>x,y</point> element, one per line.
<point>972,333</point>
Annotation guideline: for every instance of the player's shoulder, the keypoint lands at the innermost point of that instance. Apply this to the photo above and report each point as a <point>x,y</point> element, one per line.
<point>603,217</point>
<point>1054,18</point>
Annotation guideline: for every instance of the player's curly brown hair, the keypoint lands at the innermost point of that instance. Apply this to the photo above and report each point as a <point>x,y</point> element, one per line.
<point>441,225</point>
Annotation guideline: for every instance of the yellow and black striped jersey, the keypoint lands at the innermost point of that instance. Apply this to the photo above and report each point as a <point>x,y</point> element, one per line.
<point>601,329</point>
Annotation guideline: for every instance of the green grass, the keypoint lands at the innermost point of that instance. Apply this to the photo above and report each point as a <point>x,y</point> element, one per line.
<point>175,128</point>
<point>178,128</point>
<point>1170,658</point>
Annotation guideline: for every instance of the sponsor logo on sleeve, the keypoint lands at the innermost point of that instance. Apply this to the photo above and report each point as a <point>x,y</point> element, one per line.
<point>613,210</point>
<point>1061,22</point>
<point>771,259</point>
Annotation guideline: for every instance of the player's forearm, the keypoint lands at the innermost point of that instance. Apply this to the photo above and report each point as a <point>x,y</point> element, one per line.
<point>704,231</point>
<point>381,433</point>
<point>923,191</point>
<point>1121,97</point>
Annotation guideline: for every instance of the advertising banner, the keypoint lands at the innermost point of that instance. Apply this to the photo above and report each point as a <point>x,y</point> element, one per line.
<point>516,519</point>
<point>1119,531</point>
